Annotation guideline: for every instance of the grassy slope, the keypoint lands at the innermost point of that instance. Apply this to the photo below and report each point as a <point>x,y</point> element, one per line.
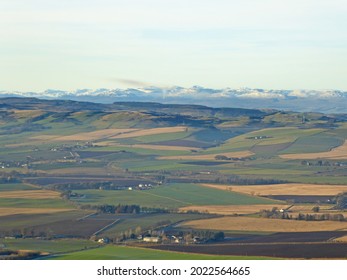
<point>130,253</point>
<point>34,203</point>
<point>50,246</point>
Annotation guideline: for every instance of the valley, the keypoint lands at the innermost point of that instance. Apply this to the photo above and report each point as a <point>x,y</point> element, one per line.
<point>206,183</point>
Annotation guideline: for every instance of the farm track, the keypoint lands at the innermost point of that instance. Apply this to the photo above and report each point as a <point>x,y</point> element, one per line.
<point>106,227</point>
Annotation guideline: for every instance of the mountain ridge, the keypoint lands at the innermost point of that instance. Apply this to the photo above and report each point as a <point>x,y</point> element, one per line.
<point>325,101</point>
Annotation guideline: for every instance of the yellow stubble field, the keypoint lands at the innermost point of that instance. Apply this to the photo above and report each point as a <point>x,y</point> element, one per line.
<point>283,189</point>
<point>30,194</point>
<point>263,224</point>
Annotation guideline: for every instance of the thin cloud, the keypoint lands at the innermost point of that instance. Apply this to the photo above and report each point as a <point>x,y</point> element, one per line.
<point>138,83</point>
<point>130,82</point>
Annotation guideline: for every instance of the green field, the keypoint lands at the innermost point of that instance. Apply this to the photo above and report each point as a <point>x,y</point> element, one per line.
<point>33,203</point>
<point>49,246</point>
<point>111,252</point>
<point>169,196</point>
<point>275,136</point>
<point>320,142</point>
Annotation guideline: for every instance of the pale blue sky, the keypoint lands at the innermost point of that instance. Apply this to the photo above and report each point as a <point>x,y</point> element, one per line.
<point>70,44</point>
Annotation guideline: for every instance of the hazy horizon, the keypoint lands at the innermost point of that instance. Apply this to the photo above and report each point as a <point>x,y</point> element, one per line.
<point>93,44</point>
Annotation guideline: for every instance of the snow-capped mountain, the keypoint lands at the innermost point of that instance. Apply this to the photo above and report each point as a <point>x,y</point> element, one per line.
<point>328,101</point>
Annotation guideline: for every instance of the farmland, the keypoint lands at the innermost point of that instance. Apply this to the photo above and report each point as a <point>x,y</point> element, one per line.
<point>284,189</point>
<point>339,152</point>
<point>131,253</point>
<point>232,209</point>
<point>74,173</point>
<point>267,225</point>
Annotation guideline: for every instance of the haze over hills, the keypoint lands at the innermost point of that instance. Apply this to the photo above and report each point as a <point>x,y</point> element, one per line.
<point>326,101</point>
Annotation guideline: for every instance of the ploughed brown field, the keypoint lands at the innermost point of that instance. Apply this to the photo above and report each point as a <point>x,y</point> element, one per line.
<point>322,250</point>
<point>283,189</point>
<point>264,224</point>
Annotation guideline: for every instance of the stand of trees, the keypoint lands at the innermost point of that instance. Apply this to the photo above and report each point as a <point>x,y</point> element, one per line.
<point>114,209</point>
<point>275,214</point>
<point>124,209</point>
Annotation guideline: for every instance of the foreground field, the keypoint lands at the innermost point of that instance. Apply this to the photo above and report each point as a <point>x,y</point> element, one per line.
<point>48,246</point>
<point>264,224</point>
<point>131,253</point>
<point>288,250</point>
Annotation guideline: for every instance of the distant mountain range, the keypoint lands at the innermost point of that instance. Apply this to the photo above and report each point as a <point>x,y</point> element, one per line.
<point>327,101</point>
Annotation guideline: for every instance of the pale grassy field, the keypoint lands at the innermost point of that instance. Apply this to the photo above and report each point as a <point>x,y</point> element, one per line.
<point>85,136</point>
<point>341,239</point>
<point>160,147</point>
<point>27,113</point>
<point>147,146</point>
<point>232,209</point>
<point>30,194</point>
<point>308,208</point>
<point>6,211</point>
<point>240,154</point>
<point>151,131</point>
<point>283,189</point>
<point>336,153</point>
<point>264,224</point>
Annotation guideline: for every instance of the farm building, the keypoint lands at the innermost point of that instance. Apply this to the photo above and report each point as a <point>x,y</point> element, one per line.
<point>152,239</point>
<point>104,240</point>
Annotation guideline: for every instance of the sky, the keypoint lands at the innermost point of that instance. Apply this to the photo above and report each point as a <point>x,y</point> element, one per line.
<point>75,44</point>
